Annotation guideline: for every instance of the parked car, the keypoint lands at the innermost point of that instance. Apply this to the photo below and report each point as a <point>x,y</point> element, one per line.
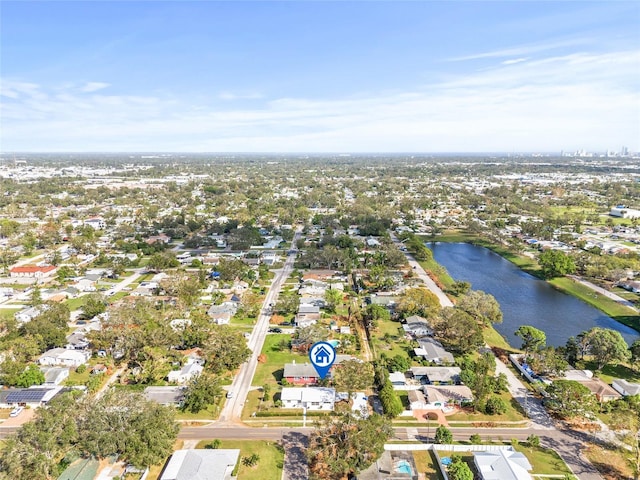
<point>275,330</point>
<point>16,411</point>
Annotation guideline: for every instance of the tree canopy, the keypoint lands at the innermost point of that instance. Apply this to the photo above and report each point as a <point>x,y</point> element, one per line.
<point>345,445</point>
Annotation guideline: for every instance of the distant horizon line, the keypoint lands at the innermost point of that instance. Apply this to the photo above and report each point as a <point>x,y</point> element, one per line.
<point>273,153</point>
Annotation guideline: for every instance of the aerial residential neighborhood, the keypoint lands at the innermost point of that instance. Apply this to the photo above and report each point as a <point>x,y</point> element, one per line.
<point>203,315</point>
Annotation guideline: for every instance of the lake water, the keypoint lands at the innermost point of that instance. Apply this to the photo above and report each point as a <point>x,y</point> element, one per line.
<point>525,299</point>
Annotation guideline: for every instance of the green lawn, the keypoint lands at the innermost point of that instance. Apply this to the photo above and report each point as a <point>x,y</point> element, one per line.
<point>610,372</point>
<point>76,303</point>
<point>426,464</point>
<point>8,313</point>
<point>271,371</point>
<point>269,466</point>
<point>544,460</point>
<point>513,414</point>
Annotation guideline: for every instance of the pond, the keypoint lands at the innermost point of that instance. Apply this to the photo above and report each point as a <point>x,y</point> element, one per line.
<point>524,299</point>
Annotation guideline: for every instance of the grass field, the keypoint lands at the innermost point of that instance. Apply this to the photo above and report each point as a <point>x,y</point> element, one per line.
<point>513,414</point>
<point>271,371</point>
<point>426,464</point>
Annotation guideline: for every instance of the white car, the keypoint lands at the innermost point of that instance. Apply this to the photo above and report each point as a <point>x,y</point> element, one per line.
<point>16,411</point>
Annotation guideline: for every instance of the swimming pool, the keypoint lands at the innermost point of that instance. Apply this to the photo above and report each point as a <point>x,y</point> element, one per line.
<point>402,466</point>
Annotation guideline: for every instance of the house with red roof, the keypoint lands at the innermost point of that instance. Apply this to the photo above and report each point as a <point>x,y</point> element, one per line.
<point>33,271</point>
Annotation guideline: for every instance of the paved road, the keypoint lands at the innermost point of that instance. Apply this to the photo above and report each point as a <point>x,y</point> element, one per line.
<point>606,293</point>
<point>231,412</point>
<point>422,275</point>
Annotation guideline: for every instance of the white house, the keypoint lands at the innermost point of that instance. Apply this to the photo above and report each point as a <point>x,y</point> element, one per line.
<point>201,464</point>
<point>186,373</point>
<point>95,223</point>
<point>311,398</point>
<point>623,212</point>
<point>502,464</point>
<point>62,356</point>
<point>433,351</point>
<point>222,318</point>
<point>439,397</point>
<point>54,375</point>
<point>625,388</point>
<point>33,271</point>
<point>28,314</point>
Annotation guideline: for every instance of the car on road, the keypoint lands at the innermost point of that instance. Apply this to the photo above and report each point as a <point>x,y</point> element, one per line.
<point>16,411</point>
<point>229,394</point>
<point>275,330</point>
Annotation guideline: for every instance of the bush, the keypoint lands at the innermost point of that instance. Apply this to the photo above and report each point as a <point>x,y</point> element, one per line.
<point>495,406</point>
<point>443,435</point>
<point>81,368</point>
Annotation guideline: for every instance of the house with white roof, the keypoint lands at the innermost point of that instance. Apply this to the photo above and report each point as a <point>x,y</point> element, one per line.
<point>502,464</point>
<point>64,357</point>
<point>433,351</point>
<point>311,398</point>
<point>625,388</point>
<point>188,371</point>
<point>201,464</point>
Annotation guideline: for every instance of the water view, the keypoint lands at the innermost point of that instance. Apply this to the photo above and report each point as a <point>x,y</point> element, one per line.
<point>525,299</point>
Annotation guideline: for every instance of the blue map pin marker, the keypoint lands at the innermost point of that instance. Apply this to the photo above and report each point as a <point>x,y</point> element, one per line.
<point>322,356</point>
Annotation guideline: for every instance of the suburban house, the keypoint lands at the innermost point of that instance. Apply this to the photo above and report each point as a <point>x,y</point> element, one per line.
<point>602,391</point>
<point>33,271</point>
<point>160,238</point>
<point>307,315</point>
<point>439,397</point>
<point>433,351</point>
<point>32,397</point>
<point>417,326</point>
<point>502,464</point>
<point>435,375</point>
<point>28,314</point>
<point>397,379</point>
<point>77,341</point>
<point>300,374</point>
<point>201,464</point>
<point>54,375</point>
<point>95,223</point>
<point>222,318</point>
<point>625,388</point>
<point>187,372</point>
<point>62,356</point>
<point>311,398</point>
<point>226,307</point>
<point>169,395</point>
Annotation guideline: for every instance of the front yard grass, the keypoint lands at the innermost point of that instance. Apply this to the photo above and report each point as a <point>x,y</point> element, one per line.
<point>426,464</point>
<point>271,371</point>
<point>271,454</point>
<point>513,414</point>
<point>544,460</point>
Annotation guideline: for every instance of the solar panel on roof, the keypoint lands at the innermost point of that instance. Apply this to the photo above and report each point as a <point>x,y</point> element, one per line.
<point>28,395</point>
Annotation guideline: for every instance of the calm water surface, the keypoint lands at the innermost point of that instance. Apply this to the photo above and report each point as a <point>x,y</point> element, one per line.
<point>525,299</point>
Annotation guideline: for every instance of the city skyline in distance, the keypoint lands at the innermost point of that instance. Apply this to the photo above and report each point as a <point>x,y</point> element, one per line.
<point>319,77</point>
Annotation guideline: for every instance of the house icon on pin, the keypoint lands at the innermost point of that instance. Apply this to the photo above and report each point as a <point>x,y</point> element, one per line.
<point>322,356</point>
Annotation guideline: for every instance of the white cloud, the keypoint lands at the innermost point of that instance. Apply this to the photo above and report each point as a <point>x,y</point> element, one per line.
<point>523,50</point>
<point>564,102</point>
<point>239,96</point>
<point>94,86</point>
<point>515,60</point>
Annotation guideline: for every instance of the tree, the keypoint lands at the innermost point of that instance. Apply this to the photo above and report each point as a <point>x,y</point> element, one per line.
<point>495,406</point>
<point>533,441</point>
<point>311,334</point>
<point>287,303</point>
<point>607,346</point>
<point>344,445</point>
<point>554,263</point>
<point>458,330</point>
<point>532,338</point>
<point>418,301</point>
<point>226,349</point>
<point>162,261</point>
<point>475,439</point>
<point>352,375</point>
<point>250,303</point>
<point>458,469</point>
<point>201,391</point>
<point>333,298</point>
<point>142,432</point>
<point>93,305</point>
<point>391,403</point>
<point>481,306</point>
<point>31,376</point>
<point>568,399</point>
<point>634,349</point>
<point>443,435</point>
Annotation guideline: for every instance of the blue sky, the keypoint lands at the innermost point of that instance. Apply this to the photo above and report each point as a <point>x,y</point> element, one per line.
<point>319,76</point>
